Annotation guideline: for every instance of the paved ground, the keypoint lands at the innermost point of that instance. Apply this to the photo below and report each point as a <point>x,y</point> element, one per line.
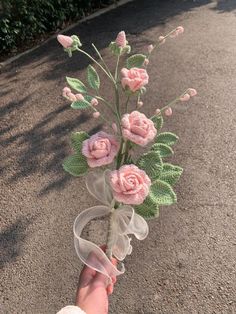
<point>187,264</point>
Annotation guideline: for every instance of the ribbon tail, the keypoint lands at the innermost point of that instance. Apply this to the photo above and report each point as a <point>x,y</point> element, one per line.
<point>128,222</point>
<point>88,252</point>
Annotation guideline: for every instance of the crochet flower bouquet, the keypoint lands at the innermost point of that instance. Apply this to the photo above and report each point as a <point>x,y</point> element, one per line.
<point>129,186</point>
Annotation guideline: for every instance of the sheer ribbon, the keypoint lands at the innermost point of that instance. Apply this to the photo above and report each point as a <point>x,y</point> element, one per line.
<point>124,221</point>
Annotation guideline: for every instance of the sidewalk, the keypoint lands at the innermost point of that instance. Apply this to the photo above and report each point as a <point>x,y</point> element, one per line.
<point>187,264</point>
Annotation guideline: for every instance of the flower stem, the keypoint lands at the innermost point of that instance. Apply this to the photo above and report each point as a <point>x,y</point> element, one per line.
<point>126,104</point>
<point>106,102</point>
<point>171,103</point>
<point>104,63</point>
<point>110,235</point>
<point>158,44</point>
<point>174,101</point>
<point>91,58</point>
<point>117,65</point>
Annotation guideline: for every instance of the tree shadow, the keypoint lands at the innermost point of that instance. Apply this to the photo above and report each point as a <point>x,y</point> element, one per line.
<point>225,6</point>
<point>12,240</point>
<point>11,106</point>
<point>42,148</point>
<point>41,140</point>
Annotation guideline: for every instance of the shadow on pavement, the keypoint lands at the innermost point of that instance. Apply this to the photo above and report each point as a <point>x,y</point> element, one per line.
<point>225,6</point>
<point>12,240</point>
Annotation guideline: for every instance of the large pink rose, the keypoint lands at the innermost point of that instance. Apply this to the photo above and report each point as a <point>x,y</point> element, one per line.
<point>137,128</point>
<point>100,149</point>
<point>130,185</point>
<point>134,78</point>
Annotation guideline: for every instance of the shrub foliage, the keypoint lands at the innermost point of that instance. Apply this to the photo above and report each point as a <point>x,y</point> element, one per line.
<point>24,20</point>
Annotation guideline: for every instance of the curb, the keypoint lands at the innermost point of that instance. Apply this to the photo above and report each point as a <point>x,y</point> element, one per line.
<point>89,17</point>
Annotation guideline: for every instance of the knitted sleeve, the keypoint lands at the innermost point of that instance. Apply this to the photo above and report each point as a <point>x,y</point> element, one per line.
<point>71,309</point>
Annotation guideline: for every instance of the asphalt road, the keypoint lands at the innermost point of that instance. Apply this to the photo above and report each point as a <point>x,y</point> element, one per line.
<point>187,263</point>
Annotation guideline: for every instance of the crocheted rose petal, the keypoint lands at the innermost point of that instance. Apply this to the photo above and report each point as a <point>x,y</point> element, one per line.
<point>138,128</point>
<point>100,149</point>
<point>134,78</point>
<point>130,184</point>
<point>124,72</point>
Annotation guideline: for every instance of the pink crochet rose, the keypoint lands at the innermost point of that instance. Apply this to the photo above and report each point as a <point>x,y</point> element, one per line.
<point>134,78</point>
<point>100,149</point>
<point>137,128</point>
<point>130,184</point>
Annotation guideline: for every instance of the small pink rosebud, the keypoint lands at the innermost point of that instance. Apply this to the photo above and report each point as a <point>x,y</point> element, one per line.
<point>94,102</point>
<point>71,97</point>
<point>121,39</point>
<point>139,104</point>
<point>180,30</point>
<point>114,127</point>
<point>66,91</point>
<point>168,112</point>
<point>157,111</point>
<point>150,48</point>
<point>185,97</point>
<point>146,62</point>
<point>65,41</point>
<point>96,114</point>
<point>79,96</point>
<point>161,39</point>
<point>192,92</point>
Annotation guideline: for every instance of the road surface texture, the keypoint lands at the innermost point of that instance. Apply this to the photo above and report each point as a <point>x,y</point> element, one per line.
<point>187,263</point>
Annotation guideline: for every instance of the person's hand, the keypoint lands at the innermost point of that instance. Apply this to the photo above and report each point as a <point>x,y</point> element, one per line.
<point>93,291</point>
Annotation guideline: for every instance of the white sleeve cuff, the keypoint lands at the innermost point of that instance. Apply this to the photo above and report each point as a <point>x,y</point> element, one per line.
<point>71,309</point>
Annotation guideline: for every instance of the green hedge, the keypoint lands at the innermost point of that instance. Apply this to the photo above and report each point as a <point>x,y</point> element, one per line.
<point>23,20</point>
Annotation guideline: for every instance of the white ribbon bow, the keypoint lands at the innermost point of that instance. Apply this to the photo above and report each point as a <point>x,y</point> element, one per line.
<point>124,221</point>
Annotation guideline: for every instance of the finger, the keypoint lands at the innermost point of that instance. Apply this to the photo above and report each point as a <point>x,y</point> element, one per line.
<point>87,271</point>
<point>86,276</point>
<point>110,289</point>
<point>114,261</point>
<point>102,279</point>
<point>113,278</point>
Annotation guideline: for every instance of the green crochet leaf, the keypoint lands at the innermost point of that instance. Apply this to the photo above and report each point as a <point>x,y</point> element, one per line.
<point>76,41</point>
<point>93,78</point>
<point>170,173</point>
<point>135,61</point>
<point>126,49</point>
<point>88,98</point>
<point>163,149</point>
<point>76,165</point>
<point>115,49</point>
<point>148,209</point>
<point>158,122</point>
<point>76,84</point>
<point>77,139</point>
<point>162,193</point>
<point>151,163</point>
<point>167,138</point>
<point>80,104</point>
